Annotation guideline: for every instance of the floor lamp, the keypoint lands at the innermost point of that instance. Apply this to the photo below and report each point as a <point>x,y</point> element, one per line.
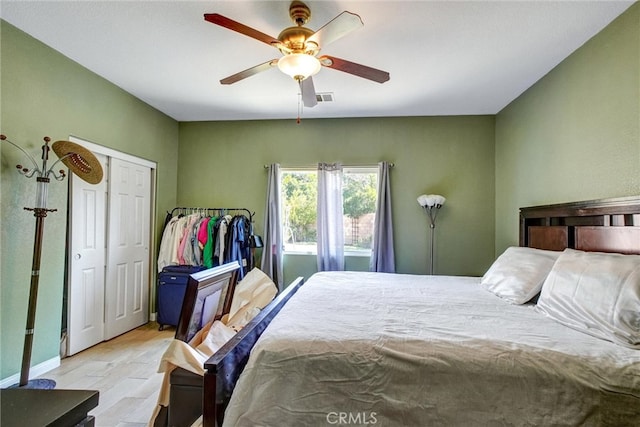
<point>431,204</point>
<point>85,165</point>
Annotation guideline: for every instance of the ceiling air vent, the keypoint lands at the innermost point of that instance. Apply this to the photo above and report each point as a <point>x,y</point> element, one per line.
<point>324,97</point>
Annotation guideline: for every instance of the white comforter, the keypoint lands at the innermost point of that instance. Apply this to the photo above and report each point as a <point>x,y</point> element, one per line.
<point>407,350</point>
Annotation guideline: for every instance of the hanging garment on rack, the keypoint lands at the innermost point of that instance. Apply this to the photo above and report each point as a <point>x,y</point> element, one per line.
<point>221,241</point>
<point>239,243</point>
<point>209,248</point>
<point>166,244</point>
<point>194,253</point>
<point>203,234</point>
<point>178,235</point>
<point>185,250</point>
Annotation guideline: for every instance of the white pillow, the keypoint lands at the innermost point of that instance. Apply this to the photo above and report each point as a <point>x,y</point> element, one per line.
<point>518,274</point>
<point>597,293</point>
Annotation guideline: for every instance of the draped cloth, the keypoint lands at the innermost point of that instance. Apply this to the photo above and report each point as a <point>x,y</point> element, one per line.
<point>272,237</point>
<point>330,239</point>
<point>382,254</point>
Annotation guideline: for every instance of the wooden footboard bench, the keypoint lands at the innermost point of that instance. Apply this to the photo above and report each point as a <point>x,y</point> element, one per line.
<point>224,368</point>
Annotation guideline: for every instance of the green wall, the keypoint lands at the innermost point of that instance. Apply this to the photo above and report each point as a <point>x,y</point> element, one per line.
<point>575,134</point>
<point>45,94</point>
<point>222,164</point>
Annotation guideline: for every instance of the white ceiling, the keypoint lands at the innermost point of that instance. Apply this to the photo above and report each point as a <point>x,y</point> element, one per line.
<point>444,57</point>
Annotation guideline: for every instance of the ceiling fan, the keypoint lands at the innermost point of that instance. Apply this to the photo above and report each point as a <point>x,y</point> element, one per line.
<point>300,46</point>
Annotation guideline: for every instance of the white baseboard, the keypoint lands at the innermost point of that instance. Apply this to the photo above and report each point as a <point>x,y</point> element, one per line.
<point>35,371</point>
<point>152,317</point>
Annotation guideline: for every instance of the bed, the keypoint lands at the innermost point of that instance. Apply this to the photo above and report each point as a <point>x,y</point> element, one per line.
<point>526,344</point>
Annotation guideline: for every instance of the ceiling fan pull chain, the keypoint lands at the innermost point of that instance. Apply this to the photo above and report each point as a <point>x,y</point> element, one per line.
<point>299,107</point>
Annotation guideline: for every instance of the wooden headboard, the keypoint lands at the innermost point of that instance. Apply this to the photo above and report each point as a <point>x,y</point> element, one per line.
<point>605,225</point>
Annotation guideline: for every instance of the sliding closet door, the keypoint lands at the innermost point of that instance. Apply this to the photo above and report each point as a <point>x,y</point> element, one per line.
<point>87,254</point>
<point>127,275</point>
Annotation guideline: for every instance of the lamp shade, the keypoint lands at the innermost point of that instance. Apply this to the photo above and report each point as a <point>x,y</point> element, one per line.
<point>431,200</point>
<point>299,65</point>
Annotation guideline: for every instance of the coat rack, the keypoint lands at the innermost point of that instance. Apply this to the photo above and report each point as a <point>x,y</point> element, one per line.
<point>86,166</point>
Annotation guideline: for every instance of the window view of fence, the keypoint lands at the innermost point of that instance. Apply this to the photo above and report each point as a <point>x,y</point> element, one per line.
<point>299,199</point>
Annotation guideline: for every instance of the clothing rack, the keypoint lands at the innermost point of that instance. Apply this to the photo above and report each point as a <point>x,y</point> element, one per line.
<point>189,210</point>
<point>181,246</point>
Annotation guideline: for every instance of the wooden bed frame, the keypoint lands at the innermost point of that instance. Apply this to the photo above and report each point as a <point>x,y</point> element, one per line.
<point>606,225</point>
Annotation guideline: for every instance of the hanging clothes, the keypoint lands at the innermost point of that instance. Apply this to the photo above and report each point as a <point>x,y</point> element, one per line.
<point>186,243</point>
<point>239,249</point>
<point>205,237</point>
<point>221,240</point>
<point>165,254</point>
<point>207,254</point>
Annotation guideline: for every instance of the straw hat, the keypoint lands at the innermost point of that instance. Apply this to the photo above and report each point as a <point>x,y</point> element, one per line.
<point>79,160</point>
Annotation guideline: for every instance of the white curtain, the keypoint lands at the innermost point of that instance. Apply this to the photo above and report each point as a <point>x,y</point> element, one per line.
<point>382,255</point>
<point>272,236</point>
<point>329,223</point>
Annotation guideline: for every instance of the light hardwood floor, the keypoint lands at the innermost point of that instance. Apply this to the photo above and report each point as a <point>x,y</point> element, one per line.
<point>123,370</point>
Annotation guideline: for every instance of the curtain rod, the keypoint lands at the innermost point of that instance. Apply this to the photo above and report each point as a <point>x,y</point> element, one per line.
<point>315,166</point>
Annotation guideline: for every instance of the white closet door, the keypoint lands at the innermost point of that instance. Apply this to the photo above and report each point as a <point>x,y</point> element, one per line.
<point>87,256</point>
<point>127,276</point>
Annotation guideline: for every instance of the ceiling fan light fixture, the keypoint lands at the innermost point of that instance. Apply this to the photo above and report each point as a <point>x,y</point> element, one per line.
<point>299,65</point>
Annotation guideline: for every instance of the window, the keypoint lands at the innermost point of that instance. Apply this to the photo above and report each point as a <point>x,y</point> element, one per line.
<point>299,209</point>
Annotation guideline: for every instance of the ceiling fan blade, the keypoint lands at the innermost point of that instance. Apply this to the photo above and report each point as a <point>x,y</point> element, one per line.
<point>338,27</point>
<point>223,21</point>
<point>308,92</point>
<point>249,72</point>
<point>353,68</point>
